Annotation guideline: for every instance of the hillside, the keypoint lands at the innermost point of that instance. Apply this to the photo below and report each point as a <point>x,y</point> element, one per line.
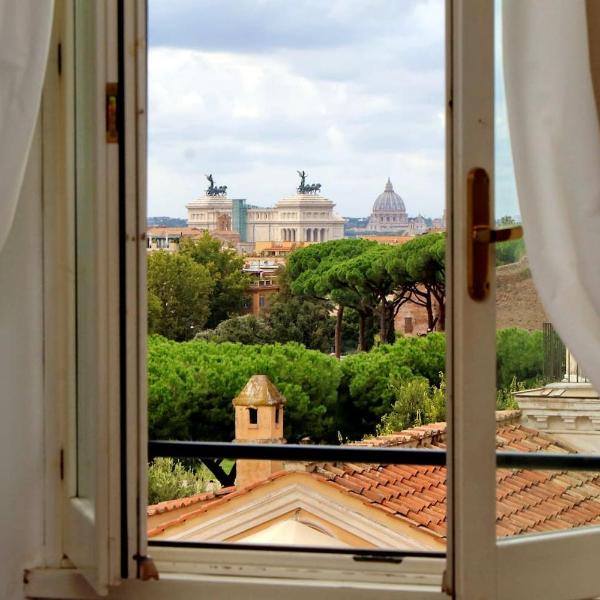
<point>517,302</point>
<point>166,222</point>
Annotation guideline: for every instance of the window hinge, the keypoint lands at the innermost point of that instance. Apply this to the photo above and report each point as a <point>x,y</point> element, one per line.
<point>59,58</point>
<point>112,125</point>
<point>62,464</point>
<point>146,567</point>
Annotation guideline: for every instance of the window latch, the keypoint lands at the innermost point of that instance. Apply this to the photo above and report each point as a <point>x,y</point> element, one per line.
<point>481,235</point>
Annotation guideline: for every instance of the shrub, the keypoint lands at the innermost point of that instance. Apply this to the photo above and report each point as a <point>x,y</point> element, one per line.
<point>519,356</point>
<point>192,385</point>
<point>416,403</point>
<point>169,479</point>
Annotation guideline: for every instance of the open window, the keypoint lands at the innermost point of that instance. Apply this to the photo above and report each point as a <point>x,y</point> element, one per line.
<point>92,114</point>
<point>104,292</point>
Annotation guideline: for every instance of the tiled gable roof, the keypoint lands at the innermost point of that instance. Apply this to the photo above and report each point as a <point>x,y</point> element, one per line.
<point>527,501</point>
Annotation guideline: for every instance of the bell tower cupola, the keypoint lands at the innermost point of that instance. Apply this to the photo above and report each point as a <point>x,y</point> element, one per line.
<point>258,419</point>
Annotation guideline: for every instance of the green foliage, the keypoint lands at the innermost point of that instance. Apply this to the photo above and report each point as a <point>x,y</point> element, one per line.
<point>303,320</point>
<point>416,403</point>
<point>245,330</point>
<point>225,267</point>
<point>178,290</point>
<point>350,331</point>
<point>511,251</point>
<point>169,479</point>
<point>155,311</point>
<point>519,356</point>
<point>419,274</point>
<point>290,318</point>
<point>192,385</point>
<point>505,399</point>
<point>367,391</point>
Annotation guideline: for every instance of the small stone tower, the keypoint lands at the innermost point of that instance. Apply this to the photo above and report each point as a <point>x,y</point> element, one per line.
<point>258,420</point>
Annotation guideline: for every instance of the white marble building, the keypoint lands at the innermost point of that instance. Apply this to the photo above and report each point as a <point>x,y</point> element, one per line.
<point>298,218</point>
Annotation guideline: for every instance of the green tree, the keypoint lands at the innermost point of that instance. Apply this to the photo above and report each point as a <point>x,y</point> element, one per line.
<point>519,356</point>
<point>302,319</point>
<point>155,310</point>
<point>367,279</point>
<point>178,290</point>
<point>169,479</point>
<point>418,269</point>
<point>192,384</point>
<point>366,390</point>
<point>316,272</point>
<point>247,329</point>
<point>351,330</point>
<point>511,251</point>
<point>416,403</point>
<point>225,267</point>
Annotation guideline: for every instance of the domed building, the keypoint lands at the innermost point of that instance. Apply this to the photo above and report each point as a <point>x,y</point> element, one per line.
<point>389,212</point>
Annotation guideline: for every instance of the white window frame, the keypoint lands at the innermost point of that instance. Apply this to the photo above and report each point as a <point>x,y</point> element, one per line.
<point>477,566</point>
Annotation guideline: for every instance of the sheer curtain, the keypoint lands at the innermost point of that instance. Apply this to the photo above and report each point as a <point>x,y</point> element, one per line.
<point>549,49</point>
<point>25,27</point>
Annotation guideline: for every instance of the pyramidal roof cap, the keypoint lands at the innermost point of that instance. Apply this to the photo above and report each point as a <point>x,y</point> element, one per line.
<point>259,391</point>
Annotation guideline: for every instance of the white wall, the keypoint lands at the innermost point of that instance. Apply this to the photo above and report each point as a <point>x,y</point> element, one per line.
<point>21,379</point>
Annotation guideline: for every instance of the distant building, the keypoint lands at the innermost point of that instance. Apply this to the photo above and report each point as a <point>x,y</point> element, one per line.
<point>417,225</point>
<point>439,224</point>
<point>303,217</point>
<point>263,284</point>
<point>389,212</point>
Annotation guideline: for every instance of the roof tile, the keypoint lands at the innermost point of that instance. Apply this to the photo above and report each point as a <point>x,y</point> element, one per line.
<point>527,501</point>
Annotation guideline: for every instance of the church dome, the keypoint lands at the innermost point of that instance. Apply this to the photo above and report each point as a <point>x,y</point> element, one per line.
<point>389,200</point>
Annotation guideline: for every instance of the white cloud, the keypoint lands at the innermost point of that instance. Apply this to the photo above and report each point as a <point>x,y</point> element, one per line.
<point>350,113</point>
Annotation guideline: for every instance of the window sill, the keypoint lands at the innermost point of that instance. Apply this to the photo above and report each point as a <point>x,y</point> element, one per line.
<point>191,574</point>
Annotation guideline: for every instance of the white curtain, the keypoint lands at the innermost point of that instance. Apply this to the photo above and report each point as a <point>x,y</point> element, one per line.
<point>25,27</point>
<point>555,139</point>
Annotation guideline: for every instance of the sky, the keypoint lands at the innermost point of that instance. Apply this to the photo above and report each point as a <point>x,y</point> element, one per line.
<point>350,91</point>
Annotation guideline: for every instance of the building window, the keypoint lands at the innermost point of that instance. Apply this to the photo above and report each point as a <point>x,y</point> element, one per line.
<point>253,416</point>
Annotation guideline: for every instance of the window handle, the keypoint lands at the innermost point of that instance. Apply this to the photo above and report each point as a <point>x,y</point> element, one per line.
<point>480,234</point>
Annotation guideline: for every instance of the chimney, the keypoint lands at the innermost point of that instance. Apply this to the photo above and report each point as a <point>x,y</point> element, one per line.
<point>258,420</point>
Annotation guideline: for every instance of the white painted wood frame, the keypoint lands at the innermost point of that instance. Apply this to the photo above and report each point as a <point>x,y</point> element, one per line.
<point>470,361</point>
<point>92,526</point>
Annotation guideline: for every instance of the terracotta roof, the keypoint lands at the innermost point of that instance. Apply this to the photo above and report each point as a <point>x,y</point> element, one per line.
<point>171,505</point>
<point>528,501</point>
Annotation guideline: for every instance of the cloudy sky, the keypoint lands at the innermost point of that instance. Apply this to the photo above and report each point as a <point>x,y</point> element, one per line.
<point>351,91</point>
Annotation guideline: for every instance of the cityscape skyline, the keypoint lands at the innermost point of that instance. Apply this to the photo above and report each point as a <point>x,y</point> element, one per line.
<point>352,92</point>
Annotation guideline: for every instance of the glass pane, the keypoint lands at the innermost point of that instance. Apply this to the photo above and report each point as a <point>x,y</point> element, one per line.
<point>296,262</point>
<point>545,402</point>
<point>86,244</point>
